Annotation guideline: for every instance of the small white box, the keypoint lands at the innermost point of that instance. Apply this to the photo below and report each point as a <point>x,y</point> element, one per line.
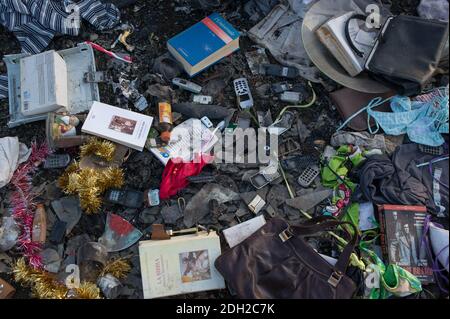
<point>43,80</point>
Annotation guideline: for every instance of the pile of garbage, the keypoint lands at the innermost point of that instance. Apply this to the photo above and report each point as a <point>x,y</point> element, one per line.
<point>291,149</point>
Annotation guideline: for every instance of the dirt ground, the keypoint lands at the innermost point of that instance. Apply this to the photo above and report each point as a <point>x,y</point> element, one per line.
<point>156,21</point>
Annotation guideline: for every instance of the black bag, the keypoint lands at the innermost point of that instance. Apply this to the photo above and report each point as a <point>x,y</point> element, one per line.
<point>407,53</point>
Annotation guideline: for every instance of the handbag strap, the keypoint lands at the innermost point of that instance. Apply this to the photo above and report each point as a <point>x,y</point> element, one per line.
<point>323,223</point>
<point>347,33</point>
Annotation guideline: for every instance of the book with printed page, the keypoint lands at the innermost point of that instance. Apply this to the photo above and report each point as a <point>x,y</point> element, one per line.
<point>204,43</point>
<point>187,140</point>
<point>401,229</point>
<point>118,125</point>
<point>180,265</point>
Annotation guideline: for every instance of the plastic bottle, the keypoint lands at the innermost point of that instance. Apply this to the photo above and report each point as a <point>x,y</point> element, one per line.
<point>39,232</point>
<point>165,120</point>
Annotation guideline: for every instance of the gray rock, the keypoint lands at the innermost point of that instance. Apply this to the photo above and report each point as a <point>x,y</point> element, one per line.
<point>291,213</point>
<point>128,292</point>
<point>4,268</point>
<point>171,214</point>
<point>227,218</point>
<point>148,215</point>
<point>303,131</point>
<point>51,219</point>
<point>248,197</point>
<point>310,199</point>
<point>2,209</point>
<point>277,195</point>
<point>9,233</point>
<point>133,281</point>
<point>5,262</point>
<point>248,174</point>
<point>52,191</point>
<point>51,260</point>
<point>69,260</point>
<point>68,210</point>
<point>74,243</point>
<point>242,211</point>
<point>58,207</point>
<point>198,207</point>
<point>129,214</point>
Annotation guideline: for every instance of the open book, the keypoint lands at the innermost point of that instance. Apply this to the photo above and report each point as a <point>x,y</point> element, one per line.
<point>180,265</point>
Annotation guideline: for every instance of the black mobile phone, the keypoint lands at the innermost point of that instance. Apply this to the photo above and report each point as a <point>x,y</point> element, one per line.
<point>128,198</point>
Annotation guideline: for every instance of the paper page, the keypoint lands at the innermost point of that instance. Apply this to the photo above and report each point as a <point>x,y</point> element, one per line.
<point>366,216</point>
<point>237,234</point>
<point>187,139</point>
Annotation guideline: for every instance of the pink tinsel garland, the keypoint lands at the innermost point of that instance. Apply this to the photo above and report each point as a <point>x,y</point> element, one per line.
<point>23,204</point>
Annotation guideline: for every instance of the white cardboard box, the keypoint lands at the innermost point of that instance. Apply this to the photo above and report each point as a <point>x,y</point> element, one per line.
<point>43,83</point>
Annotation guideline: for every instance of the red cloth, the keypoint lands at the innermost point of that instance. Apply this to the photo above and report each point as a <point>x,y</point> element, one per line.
<point>175,174</point>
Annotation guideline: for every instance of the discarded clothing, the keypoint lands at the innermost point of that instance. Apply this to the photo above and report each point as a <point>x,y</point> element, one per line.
<point>280,33</point>
<point>400,181</point>
<point>422,121</point>
<point>175,175</point>
<point>36,22</point>
<point>393,280</point>
<point>12,153</point>
<point>435,240</point>
<point>338,166</point>
<point>424,118</point>
<point>366,141</point>
<point>3,87</point>
<point>433,9</point>
<point>256,9</point>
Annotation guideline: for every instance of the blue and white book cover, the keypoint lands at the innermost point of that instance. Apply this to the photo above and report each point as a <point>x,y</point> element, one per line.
<point>204,38</point>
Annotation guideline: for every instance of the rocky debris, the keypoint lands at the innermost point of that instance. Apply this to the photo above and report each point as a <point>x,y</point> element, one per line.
<point>197,208</point>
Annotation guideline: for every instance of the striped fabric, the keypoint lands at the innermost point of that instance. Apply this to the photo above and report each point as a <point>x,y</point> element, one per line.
<point>36,22</point>
<point>3,87</point>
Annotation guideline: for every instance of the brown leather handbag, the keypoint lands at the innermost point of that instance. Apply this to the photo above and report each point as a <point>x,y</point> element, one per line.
<point>277,263</point>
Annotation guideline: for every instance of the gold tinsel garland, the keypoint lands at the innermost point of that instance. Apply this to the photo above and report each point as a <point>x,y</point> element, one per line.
<point>88,183</point>
<point>45,286</point>
<point>103,149</point>
<point>119,268</point>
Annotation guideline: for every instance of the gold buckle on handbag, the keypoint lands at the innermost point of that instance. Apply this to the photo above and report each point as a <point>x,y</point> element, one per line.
<point>335,278</point>
<point>285,235</point>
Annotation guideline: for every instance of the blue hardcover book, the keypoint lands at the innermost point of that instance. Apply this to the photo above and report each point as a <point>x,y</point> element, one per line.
<point>204,43</point>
